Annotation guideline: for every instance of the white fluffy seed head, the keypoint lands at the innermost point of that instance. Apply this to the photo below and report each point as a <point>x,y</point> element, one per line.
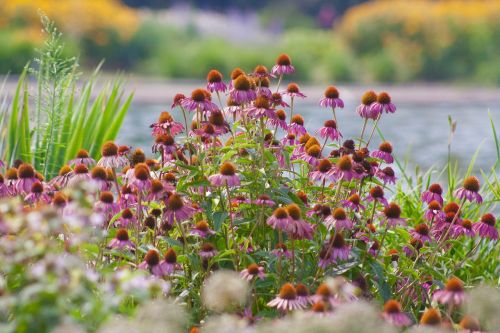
<point>224,290</point>
<point>226,323</point>
<point>482,303</point>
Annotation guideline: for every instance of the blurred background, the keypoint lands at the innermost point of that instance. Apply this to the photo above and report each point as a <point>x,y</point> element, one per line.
<point>438,58</point>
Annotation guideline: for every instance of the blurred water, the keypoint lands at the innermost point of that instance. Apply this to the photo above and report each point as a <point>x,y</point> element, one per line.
<point>418,132</point>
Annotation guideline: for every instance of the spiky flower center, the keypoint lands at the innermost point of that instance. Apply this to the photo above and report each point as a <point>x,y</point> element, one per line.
<point>235,73</point>
<point>242,83</point>
<point>156,186</point>
<point>253,269</point>
<point>489,219</point>
<point>141,171</point>
<point>319,307</point>
<point>198,95</point>
<point>175,202</point>
<point>369,97</point>
<point>330,123</point>
<point>227,169</point>
<point>302,290</point>
<point>170,256</point>
<point>122,235</point>
<point>261,70</point>
<point>455,285</point>
<point>82,153</point>
<point>434,205</point>
<point>471,183</point>
<point>386,147</point>
<point>292,88</point>
<point>82,169</point>
<point>314,151</point>
<point>202,226</point>
<point>338,241</point>
<point>422,229</point>
<point>470,324</point>
<point>106,197</point>
<point>331,92</point>
<point>416,243</point>
<point>451,207</point>
<point>304,138</point>
<point>284,60</point>
<point>109,149</point>
<point>288,292</point>
<point>294,211</point>
<point>37,188</point>
<point>344,163</point>
<point>25,171</point>
<point>152,258</point>
<point>377,192</point>
<point>280,213</point>
<point>214,76</point>
<point>127,214</point>
<point>383,98</point>
<point>355,199</point>
<point>261,102</point>
<point>216,118</point>
<point>431,317</point>
<point>281,114</point>
<point>339,214</point>
<point>436,189</point>
<point>207,247</point>
<point>297,119</point>
<point>392,211</point>
<point>388,171</point>
<point>324,165</point>
<point>323,290</point>
<point>392,306</point>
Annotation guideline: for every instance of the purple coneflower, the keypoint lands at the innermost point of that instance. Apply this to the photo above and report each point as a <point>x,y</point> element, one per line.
<point>80,174</point>
<point>382,103</point>
<point>486,227</point>
<point>202,229</point>
<point>226,177</point>
<point>364,109</point>
<point>353,203</point>
<point>339,220</point>
<point>323,171</point>
<point>26,177</point>
<point>62,178</point>
<point>303,294</point>
<point>377,195</point>
<point>142,179</point>
<point>384,152</point>
<point>469,190</point>
<point>177,209</point>
<point>343,169</point>
<point>242,91</point>
<point>469,324</point>
<point>207,251</point>
<point>281,251</point>
<point>287,299</point>
<point>279,120</point>
<point>177,100</point>
<point>434,192</point>
<point>279,220</point>
<point>264,200</point>
<point>253,271</point>
<point>127,218</point>
<point>312,155</point>
<point>128,196</point>
<point>293,90</point>
<point>277,100</point>
<point>434,211</point>
<point>262,88</point>
<point>82,157</point>
<point>393,314</point>
<point>106,205</point>
<point>325,294</point>
<point>121,240</point>
<point>421,232</point>
<point>169,263</point>
<point>412,249</point>
<point>151,262</point>
<point>37,194</point>
<point>216,119</point>
<point>164,144</point>
<point>59,201</point>
<point>387,175</point>
<point>329,130</point>
<point>298,228</point>
<point>392,215</point>
<point>110,157</point>
<point>215,82</point>
<point>339,249</point>
<point>283,65</point>
<point>4,190</point>
<point>166,125</point>
<point>331,98</point>
<point>100,177</point>
<point>452,294</point>
<point>465,227</point>
<point>431,317</point>
<point>200,100</point>
<point>261,71</point>
<point>261,108</point>
<point>297,125</point>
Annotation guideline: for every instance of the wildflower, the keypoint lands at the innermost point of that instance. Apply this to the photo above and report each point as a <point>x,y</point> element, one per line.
<point>200,100</point>
<point>226,177</point>
<point>152,263</point>
<point>169,263</point>
<point>99,176</point>
<point>434,211</point>
<point>377,195</point>
<point>312,155</point>
<point>177,209</point>
<point>297,125</point>
<point>216,119</point>
<point>421,232</point>
<point>329,130</point>
<point>82,157</point>
<point>452,294</point>
<point>384,152</point>
<point>142,179</point>
<point>126,218</point>
<point>433,193</point>
<point>277,100</point>
<point>264,200</point>
<point>465,227</point>
<point>469,190</point>
<point>338,219</point>
<point>293,90</point>
<point>281,250</point>
<point>331,98</point>
<point>303,294</point>
<point>323,171</point>
<point>431,317</point>
<point>297,228</point>
<point>26,177</point>
<point>242,91</point>
<point>261,108</point>
<point>287,299</point>
<point>62,178</point>
<point>382,103</point>
<point>262,88</point>
<point>339,249</point>
<point>106,205</point>
<point>215,82</point>
<point>110,157</point>
<point>364,109</point>
<point>353,202</point>
<point>486,227</point>
<point>166,125</point>
<point>37,194</point>
<point>469,324</point>
<point>325,294</point>
<point>207,250</point>
<point>392,313</point>
<point>253,270</point>
<point>283,65</point>
<point>121,240</point>
<point>279,220</point>
<point>80,174</point>
<point>164,144</point>
<point>343,169</point>
<point>260,71</point>
<point>387,175</point>
<point>59,200</point>
<point>202,229</point>
<point>224,290</point>
<point>177,100</point>
<point>392,214</point>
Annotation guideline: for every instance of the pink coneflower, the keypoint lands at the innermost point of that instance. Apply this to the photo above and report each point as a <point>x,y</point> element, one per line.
<point>261,71</point>
<point>62,178</point>
<point>277,100</point>
<point>323,171</point>
<point>469,190</point>
<point>59,201</point>
<point>412,249</point>
<point>469,324</point>
<point>202,229</point>
<point>215,82</point>
<point>166,125</point>
<point>207,251</point>
<point>216,119</point>
<point>312,155</point>
<point>382,103</point>
<point>387,175</point>
<point>128,197</point>
<point>343,169</point>
<point>364,109</point>
<point>26,177</point>
<point>325,294</point>
<point>465,227</point>
<point>421,232</point>
<point>384,152</point>
<point>279,220</point>
<point>262,88</point>
<point>331,98</point>
<point>297,125</point>
<point>240,199</point>
<point>329,130</point>
<point>100,177</point>
<point>151,262</point>
<point>339,220</point>
<point>486,227</point>
<point>200,100</point>
<point>177,209</point>
<point>264,200</point>
<point>434,211</point>
<point>253,271</point>
<point>431,317</point>
<point>37,194</point>
<point>82,157</point>
<point>226,176</point>
<point>164,144</point>
<point>283,65</point>
<point>289,140</point>
<point>293,90</point>
<point>121,240</point>
<point>339,249</point>
<point>433,193</point>
<point>287,299</point>
<point>127,218</point>
<point>242,91</point>
<point>298,228</point>
<point>260,109</point>
<point>106,205</point>
<point>392,313</point>
<point>452,294</point>
<point>392,215</point>
<point>142,179</point>
<point>325,257</point>
<point>4,190</point>
<point>353,203</point>
<point>169,264</point>
<point>303,294</point>
<point>80,174</point>
<point>177,100</point>
<point>377,195</point>
<point>281,251</point>
<point>279,120</point>
<point>110,157</point>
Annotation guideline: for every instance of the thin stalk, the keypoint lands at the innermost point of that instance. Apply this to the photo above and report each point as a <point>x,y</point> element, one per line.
<point>373,130</point>
<point>362,132</point>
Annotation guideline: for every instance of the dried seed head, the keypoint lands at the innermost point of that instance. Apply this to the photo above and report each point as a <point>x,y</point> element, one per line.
<point>489,219</point>
<point>175,202</point>
<point>292,88</point>
<point>383,98</point>
<point>106,197</point>
<point>152,258</point>
<point>122,235</point>
<point>81,169</point>
<point>297,119</point>
<point>242,83</point>
<point>392,211</point>
<point>386,147</point>
<point>339,214</point>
